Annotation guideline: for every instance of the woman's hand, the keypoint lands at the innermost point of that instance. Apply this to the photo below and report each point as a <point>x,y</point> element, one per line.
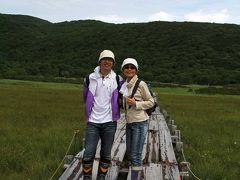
<point>131,101</point>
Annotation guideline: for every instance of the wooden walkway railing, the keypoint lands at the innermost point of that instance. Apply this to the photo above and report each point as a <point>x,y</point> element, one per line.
<point>159,161</point>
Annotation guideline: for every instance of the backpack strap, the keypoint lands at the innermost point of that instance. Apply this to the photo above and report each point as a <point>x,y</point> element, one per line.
<point>87,80</point>
<point>118,82</point>
<point>134,90</point>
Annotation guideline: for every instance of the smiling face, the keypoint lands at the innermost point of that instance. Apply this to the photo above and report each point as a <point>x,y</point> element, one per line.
<point>129,70</point>
<point>106,65</point>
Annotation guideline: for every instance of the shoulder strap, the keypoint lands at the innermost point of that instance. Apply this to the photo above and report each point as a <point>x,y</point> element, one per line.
<point>87,80</point>
<point>135,87</point>
<point>118,82</point>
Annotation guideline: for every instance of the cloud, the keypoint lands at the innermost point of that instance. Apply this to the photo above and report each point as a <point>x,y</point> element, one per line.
<point>57,4</point>
<point>76,1</point>
<point>114,19</point>
<point>202,16</point>
<point>161,16</point>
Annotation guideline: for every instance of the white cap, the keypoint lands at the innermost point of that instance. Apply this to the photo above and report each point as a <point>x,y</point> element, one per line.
<point>106,54</point>
<point>130,61</point>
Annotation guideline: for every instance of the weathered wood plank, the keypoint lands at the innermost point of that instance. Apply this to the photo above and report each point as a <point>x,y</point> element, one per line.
<point>118,151</point>
<point>167,152</point>
<point>153,172</point>
<point>151,150</point>
<point>73,168</point>
<point>171,171</point>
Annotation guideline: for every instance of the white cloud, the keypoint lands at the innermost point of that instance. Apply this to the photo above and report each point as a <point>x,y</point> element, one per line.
<point>114,19</point>
<point>202,16</point>
<point>161,16</point>
<point>127,11</point>
<point>76,1</point>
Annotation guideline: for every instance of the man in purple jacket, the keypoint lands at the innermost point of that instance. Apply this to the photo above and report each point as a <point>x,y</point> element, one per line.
<point>101,96</point>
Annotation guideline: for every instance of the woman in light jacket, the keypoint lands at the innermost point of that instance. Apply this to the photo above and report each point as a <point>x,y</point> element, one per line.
<point>136,116</point>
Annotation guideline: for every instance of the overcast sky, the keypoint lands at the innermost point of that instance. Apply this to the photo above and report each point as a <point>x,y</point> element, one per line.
<point>125,11</point>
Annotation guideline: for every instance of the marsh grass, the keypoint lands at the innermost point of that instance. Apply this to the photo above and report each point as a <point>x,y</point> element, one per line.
<point>37,123</point>
<point>210,131</point>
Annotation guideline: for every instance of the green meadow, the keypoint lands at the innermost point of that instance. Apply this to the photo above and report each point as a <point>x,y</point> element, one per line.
<point>38,120</point>
<point>210,131</point>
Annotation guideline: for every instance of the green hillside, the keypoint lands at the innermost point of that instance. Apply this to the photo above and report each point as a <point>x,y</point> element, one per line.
<point>199,53</point>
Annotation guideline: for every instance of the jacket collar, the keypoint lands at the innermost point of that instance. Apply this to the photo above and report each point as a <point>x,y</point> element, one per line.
<point>97,73</point>
<point>132,81</point>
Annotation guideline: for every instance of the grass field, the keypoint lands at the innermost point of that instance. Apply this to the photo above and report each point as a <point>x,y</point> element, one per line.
<point>210,130</point>
<point>37,122</point>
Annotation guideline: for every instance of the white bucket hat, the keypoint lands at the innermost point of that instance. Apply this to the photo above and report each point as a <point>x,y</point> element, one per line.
<point>130,61</point>
<point>106,54</point>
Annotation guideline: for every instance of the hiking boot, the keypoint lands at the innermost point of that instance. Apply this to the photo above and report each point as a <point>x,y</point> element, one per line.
<point>102,170</point>
<point>87,170</point>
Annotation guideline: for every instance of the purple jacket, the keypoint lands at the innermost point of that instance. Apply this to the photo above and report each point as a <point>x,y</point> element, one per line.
<point>88,98</point>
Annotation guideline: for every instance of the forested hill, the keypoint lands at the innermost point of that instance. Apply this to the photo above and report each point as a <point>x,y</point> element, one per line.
<point>178,52</point>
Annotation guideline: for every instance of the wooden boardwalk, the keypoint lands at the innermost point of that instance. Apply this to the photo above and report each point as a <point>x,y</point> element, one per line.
<point>159,161</point>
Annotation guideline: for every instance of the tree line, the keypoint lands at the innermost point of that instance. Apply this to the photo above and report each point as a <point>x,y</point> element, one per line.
<point>167,52</point>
